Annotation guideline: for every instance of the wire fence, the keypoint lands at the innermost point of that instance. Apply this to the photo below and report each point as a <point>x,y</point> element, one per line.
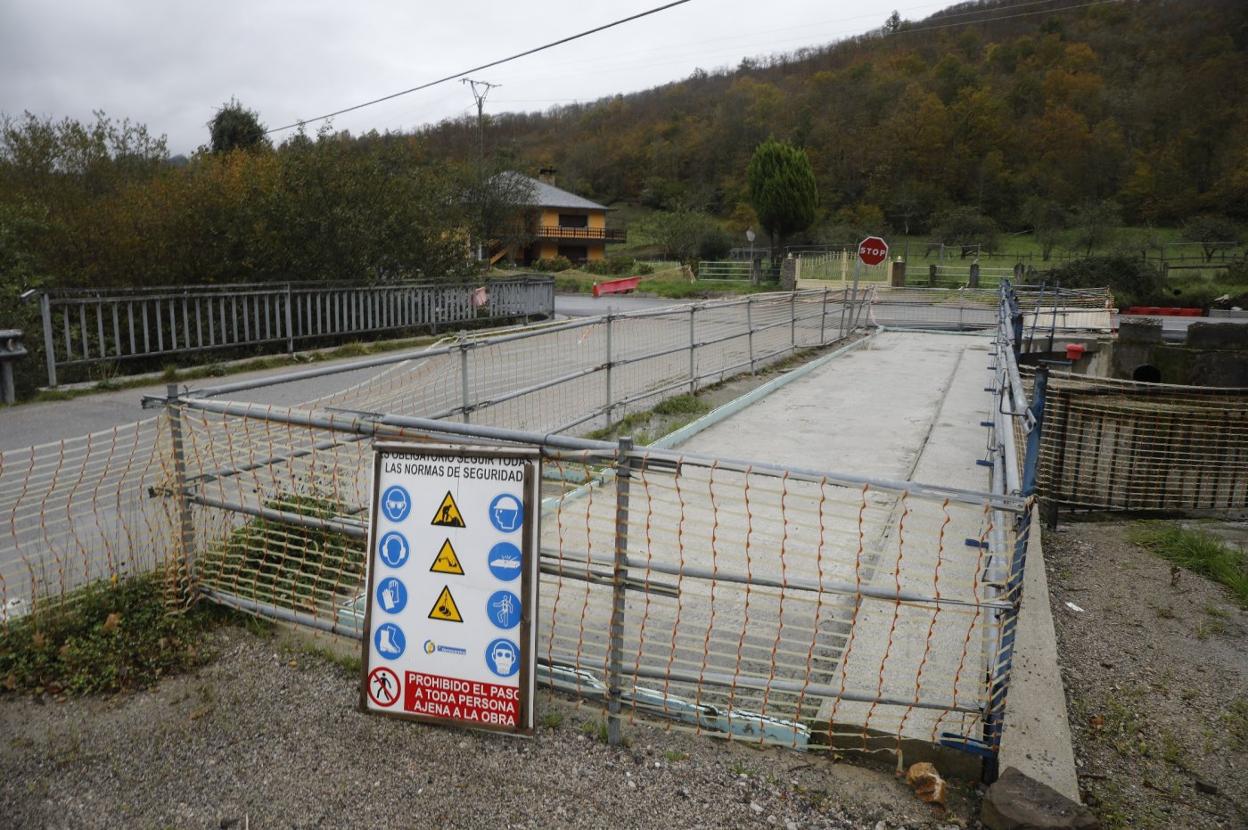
<point>80,511</point>
<point>799,607</point>
<point>1045,309</point>
<point>96,506</point>
<point>1119,445</point>
<point>765,602</point>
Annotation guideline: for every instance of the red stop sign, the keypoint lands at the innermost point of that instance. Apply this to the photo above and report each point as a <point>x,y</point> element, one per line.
<point>873,250</point>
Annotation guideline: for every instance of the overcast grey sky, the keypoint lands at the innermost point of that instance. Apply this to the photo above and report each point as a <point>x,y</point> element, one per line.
<point>169,63</point>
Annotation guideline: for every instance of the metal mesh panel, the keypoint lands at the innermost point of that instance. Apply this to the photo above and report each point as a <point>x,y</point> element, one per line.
<point>82,510</point>
<point>838,613</point>
<point>1124,445</point>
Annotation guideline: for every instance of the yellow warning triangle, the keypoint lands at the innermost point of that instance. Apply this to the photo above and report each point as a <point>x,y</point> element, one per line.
<point>447,562</point>
<point>445,608</point>
<point>448,514</point>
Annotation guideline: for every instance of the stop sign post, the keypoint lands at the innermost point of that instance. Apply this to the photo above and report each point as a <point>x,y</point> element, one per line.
<point>871,251</point>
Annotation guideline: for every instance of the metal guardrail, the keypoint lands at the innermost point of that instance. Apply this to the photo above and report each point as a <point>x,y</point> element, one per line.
<point>1014,468</point>
<point>87,328</point>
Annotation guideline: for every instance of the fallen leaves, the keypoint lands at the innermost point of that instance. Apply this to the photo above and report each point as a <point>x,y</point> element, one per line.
<point>927,783</point>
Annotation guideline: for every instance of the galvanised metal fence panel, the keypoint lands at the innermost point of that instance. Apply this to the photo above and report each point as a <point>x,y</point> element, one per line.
<point>100,506</point>
<point>1116,445</point>
<point>773,603</point>
<point>85,328</point>
<point>802,607</point>
<point>1045,309</point>
<point>81,511</point>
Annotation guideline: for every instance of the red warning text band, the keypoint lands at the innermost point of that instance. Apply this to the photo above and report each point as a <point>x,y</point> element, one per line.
<point>466,700</point>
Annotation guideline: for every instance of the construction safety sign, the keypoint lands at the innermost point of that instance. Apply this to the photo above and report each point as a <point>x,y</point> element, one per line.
<point>450,632</point>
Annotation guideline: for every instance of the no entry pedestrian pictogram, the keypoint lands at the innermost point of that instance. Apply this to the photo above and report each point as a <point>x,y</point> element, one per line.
<point>383,686</point>
<point>448,514</point>
<point>447,562</point>
<point>448,631</point>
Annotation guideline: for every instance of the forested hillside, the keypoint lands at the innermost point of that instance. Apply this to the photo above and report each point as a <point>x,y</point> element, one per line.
<point>1016,109</point>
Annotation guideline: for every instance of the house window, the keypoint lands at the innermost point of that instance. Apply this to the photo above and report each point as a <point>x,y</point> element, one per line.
<point>573,220</point>
<point>575,253</point>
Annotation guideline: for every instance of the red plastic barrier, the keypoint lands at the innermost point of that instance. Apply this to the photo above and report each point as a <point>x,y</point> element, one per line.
<point>1168,311</point>
<point>625,285</point>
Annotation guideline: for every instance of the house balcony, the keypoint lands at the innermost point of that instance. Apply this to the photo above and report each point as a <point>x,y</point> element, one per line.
<point>598,234</point>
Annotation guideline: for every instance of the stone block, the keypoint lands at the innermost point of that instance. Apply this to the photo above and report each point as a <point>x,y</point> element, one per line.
<point>1016,802</point>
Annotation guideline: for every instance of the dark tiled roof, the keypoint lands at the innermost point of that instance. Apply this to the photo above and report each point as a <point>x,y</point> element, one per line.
<point>547,195</point>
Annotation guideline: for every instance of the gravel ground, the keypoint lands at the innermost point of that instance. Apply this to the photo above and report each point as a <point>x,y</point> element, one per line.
<point>1156,673</point>
<point>266,735</point>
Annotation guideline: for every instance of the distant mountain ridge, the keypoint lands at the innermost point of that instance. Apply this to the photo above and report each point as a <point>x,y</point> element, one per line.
<point>994,105</point>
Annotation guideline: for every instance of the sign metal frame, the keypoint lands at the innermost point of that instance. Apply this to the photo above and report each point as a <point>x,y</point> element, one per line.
<point>529,581</point>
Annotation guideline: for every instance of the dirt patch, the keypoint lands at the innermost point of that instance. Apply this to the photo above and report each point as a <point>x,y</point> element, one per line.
<point>267,735</point>
<point>1156,673</point>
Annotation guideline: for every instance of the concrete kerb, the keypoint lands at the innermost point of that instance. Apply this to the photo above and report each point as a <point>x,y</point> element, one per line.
<point>1036,738</point>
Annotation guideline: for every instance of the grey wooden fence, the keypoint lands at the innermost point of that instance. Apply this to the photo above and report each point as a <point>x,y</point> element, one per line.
<point>83,327</point>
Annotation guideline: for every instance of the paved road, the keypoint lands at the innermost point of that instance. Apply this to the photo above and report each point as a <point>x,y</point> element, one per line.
<point>584,305</point>
<point>41,423</point>
<point>907,406</point>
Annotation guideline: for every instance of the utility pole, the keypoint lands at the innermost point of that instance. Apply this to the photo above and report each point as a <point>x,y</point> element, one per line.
<point>484,88</point>
<point>480,89</point>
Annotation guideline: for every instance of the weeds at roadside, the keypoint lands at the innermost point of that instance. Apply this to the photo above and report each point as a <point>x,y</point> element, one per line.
<point>1209,628</point>
<point>348,663</point>
<point>1235,718</point>
<point>595,730</point>
<point>1198,551</point>
<point>552,720</point>
<point>104,638</point>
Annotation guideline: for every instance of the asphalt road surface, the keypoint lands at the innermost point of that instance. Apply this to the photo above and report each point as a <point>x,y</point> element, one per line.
<point>41,423</point>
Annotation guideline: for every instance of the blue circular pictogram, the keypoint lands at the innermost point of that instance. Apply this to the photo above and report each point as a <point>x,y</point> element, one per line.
<point>391,595</point>
<point>506,513</point>
<point>503,609</point>
<point>396,503</point>
<point>502,657</point>
<point>389,641</point>
<point>504,561</point>
<point>393,549</point>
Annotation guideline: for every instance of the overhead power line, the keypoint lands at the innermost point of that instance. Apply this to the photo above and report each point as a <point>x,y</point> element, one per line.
<point>990,18</point>
<point>498,62</point>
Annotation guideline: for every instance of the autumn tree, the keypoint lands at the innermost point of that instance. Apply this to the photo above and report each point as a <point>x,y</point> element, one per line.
<point>1047,219</point>
<point>782,190</point>
<point>1212,232</point>
<point>1093,225</point>
<point>234,127</point>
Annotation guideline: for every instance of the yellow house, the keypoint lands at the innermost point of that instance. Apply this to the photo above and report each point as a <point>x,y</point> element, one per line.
<point>564,224</point>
